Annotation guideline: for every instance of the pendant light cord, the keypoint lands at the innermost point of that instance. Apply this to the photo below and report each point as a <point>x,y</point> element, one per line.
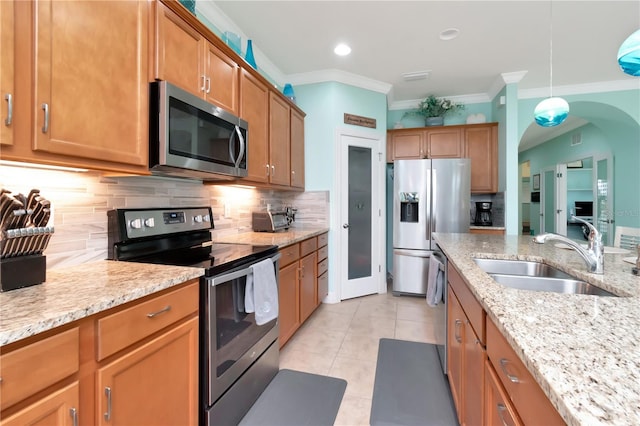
<point>551,49</point>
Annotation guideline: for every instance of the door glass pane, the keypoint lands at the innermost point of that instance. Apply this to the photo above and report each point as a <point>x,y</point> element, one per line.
<point>549,194</point>
<point>602,200</point>
<point>359,264</point>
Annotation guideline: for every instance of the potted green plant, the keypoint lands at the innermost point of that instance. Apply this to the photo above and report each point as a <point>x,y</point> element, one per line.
<point>434,109</point>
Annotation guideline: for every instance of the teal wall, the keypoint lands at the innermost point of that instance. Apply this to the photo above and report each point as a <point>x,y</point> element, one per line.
<point>460,117</point>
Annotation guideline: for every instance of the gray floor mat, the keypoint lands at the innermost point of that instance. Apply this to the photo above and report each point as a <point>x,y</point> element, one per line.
<point>294,398</point>
<point>410,388</point>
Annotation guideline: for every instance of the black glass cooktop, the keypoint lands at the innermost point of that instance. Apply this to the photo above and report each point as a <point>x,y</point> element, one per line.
<point>216,259</point>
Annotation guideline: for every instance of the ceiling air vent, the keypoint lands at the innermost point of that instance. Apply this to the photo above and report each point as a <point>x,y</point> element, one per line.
<point>576,139</point>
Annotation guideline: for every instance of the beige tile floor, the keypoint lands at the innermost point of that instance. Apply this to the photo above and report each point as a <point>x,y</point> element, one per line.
<point>341,340</point>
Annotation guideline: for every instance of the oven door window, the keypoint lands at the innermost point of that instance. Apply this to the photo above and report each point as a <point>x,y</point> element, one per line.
<point>202,136</point>
<point>236,330</point>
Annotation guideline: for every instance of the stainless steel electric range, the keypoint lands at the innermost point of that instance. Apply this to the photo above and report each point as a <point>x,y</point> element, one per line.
<point>238,358</point>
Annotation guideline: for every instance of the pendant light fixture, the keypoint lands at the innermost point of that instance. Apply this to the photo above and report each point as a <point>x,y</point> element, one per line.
<point>551,111</point>
<point>629,55</point>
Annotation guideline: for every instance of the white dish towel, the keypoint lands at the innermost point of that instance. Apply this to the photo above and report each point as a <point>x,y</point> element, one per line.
<point>261,292</point>
<point>435,281</point>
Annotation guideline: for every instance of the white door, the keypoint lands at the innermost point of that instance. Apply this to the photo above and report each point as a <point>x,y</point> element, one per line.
<point>553,200</point>
<point>362,232</point>
<point>603,206</point>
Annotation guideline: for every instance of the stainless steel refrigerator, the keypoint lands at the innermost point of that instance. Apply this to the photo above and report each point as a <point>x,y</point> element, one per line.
<point>429,196</point>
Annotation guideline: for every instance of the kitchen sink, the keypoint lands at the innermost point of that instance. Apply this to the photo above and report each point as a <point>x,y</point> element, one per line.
<point>536,276</point>
<point>519,267</point>
<point>557,285</point>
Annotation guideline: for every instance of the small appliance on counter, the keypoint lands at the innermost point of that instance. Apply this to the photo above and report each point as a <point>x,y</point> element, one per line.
<point>24,236</point>
<point>483,214</point>
<point>272,221</point>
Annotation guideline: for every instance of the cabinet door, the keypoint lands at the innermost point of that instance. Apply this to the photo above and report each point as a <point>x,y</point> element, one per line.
<point>443,143</point>
<point>323,287</point>
<point>91,93</point>
<point>289,309</point>
<point>455,339</point>
<point>498,408</point>
<point>279,140</point>
<point>179,52</point>
<point>154,384</point>
<point>308,283</point>
<point>222,79</point>
<point>7,90</point>
<point>473,387</point>
<point>254,108</point>
<point>481,146</point>
<point>60,408</point>
<point>407,144</point>
<point>297,149</point>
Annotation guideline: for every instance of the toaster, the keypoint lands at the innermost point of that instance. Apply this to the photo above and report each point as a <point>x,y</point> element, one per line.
<point>271,221</point>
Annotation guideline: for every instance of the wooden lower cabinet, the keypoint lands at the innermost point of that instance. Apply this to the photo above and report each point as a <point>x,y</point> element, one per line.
<point>308,282</point>
<point>499,410</point>
<point>289,309</point>
<point>156,383</point>
<point>455,338</point>
<point>60,408</point>
<point>487,231</point>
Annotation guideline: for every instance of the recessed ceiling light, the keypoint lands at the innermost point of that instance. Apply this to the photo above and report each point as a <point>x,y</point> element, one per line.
<point>449,34</point>
<point>342,50</point>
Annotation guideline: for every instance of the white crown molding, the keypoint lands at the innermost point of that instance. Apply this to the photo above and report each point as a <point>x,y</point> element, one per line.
<point>579,89</point>
<point>513,77</point>
<point>223,23</point>
<point>339,76</point>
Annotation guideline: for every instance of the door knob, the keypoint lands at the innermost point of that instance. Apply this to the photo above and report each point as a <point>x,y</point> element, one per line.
<point>345,225</point>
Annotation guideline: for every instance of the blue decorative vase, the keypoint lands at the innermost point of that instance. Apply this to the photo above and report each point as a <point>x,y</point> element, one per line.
<point>288,92</point>
<point>248,56</point>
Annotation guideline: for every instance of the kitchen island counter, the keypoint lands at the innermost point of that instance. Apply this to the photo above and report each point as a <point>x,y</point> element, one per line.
<point>581,349</point>
<point>76,292</point>
<point>281,238</point>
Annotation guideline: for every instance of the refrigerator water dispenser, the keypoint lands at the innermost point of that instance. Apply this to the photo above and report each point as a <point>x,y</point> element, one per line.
<point>409,207</point>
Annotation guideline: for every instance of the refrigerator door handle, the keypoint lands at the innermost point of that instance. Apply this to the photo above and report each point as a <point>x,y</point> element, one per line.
<point>412,253</point>
<point>434,198</point>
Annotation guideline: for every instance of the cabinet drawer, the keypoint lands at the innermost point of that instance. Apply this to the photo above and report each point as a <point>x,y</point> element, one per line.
<point>32,368</point>
<point>289,254</point>
<point>126,327</point>
<point>307,246</point>
<point>322,253</point>
<point>498,407</point>
<point>323,266</point>
<point>470,304</point>
<point>323,239</point>
<point>532,404</point>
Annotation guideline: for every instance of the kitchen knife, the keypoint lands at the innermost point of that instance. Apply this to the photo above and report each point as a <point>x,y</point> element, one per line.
<point>40,217</point>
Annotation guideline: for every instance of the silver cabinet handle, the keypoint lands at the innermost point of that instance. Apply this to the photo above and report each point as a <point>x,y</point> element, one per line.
<point>204,82</point>
<point>107,415</point>
<point>273,170</point>
<point>9,118</point>
<point>161,311</point>
<point>45,126</point>
<point>74,416</point>
<point>267,170</point>
<point>503,366</point>
<point>208,85</point>
<point>501,409</point>
<point>457,331</point>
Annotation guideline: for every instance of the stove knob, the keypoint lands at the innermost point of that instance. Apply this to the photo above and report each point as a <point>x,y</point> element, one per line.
<point>149,223</point>
<point>136,223</point>
<point>206,218</point>
<point>197,218</point>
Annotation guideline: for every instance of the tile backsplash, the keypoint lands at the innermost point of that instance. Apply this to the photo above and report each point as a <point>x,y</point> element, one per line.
<point>497,208</point>
<point>80,203</point>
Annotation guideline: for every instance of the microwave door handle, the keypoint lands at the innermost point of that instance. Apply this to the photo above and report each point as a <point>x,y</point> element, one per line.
<point>232,154</point>
<point>242,146</point>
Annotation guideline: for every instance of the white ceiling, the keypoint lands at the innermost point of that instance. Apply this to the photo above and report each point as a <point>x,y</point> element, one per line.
<point>390,38</point>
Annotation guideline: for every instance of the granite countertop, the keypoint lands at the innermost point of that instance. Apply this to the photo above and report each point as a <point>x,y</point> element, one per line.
<point>73,293</point>
<point>280,238</point>
<point>582,350</point>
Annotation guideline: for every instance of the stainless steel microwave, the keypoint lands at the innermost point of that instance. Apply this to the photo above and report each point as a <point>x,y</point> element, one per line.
<point>192,138</point>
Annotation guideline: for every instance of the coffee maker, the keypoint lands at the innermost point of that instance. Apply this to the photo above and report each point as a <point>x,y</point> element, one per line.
<point>483,214</point>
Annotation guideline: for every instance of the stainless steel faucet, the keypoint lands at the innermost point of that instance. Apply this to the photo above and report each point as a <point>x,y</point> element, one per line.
<point>593,255</point>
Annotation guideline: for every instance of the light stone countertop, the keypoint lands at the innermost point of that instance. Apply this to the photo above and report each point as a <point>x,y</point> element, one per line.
<point>280,238</point>
<point>73,293</point>
<point>584,351</point>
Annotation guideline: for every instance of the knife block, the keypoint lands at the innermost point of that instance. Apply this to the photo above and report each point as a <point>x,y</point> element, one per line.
<point>22,271</point>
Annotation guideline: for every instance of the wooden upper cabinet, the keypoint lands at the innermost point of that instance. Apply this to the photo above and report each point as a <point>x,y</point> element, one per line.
<point>254,108</point>
<point>481,146</point>
<point>444,142</point>
<point>7,90</point>
<point>91,93</point>
<point>297,149</point>
<point>279,140</point>
<point>407,144</point>
<point>184,57</point>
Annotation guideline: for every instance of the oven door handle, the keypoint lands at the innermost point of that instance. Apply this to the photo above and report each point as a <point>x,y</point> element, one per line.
<point>237,274</point>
